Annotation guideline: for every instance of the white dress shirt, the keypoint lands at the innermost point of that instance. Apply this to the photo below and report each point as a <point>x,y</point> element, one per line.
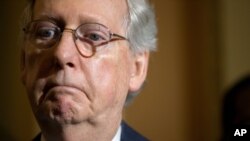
<point>117,136</point>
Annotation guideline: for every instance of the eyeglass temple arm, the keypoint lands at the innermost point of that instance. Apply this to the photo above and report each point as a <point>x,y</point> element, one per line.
<point>119,36</point>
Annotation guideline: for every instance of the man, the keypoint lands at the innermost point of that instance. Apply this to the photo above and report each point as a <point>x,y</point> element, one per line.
<point>82,60</point>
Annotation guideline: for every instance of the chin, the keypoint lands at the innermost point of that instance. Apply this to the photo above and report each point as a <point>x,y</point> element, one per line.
<point>59,112</point>
<point>63,116</point>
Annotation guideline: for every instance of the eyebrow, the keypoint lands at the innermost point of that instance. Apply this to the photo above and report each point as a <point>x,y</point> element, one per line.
<point>82,19</point>
<point>56,19</point>
<point>91,19</point>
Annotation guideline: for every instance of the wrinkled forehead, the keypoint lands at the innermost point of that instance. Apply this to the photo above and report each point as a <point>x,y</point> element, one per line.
<point>107,12</point>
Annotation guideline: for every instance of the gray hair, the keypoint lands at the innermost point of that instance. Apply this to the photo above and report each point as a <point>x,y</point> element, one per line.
<point>141,28</point>
<point>141,32</point>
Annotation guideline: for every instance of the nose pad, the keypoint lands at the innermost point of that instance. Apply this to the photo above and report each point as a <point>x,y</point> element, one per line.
<point>70,31</point>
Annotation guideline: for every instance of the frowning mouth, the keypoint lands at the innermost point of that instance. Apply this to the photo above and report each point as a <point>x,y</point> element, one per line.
<point>58,87</point>
<point>48,87</point>
<point>51,89</point>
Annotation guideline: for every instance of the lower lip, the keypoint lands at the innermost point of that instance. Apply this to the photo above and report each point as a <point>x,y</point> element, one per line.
<point>63,89</point>
<point>59,92</point>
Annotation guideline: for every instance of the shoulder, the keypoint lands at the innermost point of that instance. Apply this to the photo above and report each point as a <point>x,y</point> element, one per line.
<point>129,134</point>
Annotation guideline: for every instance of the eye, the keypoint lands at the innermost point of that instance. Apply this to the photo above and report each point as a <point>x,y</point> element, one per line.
<point>45,33</point>
<point>93,34</point>
<point>42,33</point>
<point>45,37</point>
<point>94,37</point>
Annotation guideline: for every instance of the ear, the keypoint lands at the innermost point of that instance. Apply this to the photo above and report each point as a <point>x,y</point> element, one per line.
<point>139,71</point>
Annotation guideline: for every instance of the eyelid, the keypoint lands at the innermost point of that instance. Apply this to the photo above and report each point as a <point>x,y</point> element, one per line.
<point>54,19</point>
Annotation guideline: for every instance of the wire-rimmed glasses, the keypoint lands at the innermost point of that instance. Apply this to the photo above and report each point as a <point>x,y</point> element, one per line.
<point>44,34</point>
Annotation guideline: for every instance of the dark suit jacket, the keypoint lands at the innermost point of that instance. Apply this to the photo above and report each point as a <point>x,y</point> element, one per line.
<point>128,134</point>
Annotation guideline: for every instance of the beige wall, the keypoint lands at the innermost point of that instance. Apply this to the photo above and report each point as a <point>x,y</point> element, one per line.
<point>180,102</point>
<point>235,40</point>
<point>16,118</point>
<point>203,49</point>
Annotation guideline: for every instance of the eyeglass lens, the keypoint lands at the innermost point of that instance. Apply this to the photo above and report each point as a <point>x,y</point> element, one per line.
<point>45,34</point>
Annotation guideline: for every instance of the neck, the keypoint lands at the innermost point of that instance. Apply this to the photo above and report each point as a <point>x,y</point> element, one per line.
<point>86,131</point>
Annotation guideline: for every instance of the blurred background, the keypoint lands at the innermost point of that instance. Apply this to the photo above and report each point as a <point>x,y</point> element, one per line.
<point>204,48</point>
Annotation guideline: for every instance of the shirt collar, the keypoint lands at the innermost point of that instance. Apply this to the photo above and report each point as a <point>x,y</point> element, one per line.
<point>117,136</point>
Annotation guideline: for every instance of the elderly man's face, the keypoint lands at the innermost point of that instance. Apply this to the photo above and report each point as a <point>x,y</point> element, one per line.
<point>66,87</point>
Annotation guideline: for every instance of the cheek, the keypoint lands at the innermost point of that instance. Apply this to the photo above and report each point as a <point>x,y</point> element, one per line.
<point>112,79</point>
<point>38,64</point>
<point>33,86</point>
<point>35,71</point>
<point>30,73</point>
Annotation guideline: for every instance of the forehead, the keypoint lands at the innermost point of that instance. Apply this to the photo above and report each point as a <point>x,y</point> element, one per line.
<point>107,12</point>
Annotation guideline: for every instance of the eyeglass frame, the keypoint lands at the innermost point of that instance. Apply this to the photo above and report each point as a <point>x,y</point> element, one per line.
<point>75,35</point>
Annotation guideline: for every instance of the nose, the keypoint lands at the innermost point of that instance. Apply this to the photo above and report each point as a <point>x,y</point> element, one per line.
<point>65,53</point>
